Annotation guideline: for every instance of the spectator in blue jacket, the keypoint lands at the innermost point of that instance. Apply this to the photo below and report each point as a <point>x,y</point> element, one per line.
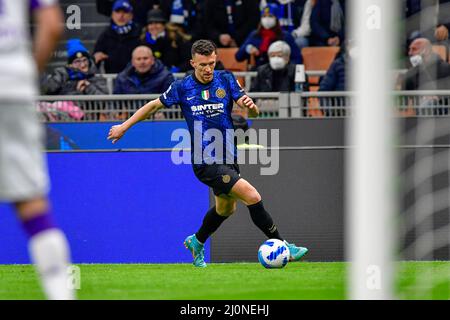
<point>335,78</point>
<point>289,14</point>
<point>328,23</point>
<point>268,31</point>
<point>145,74</point>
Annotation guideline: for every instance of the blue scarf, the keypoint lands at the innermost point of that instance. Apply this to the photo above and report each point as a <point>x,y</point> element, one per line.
<point>149,39</point>
<point>122,29</point>
<point>229,7</point>
<point>178,8</point>
<point>285,17</point>
<point>76,75</point>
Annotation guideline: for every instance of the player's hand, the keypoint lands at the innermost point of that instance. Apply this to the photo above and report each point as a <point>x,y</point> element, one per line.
<point>116,132</point>
<point>248,103</point>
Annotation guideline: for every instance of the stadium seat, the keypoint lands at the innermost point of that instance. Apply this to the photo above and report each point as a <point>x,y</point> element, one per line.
<point>318,58</point>
<point>227,57</point>
<point>441,50</point>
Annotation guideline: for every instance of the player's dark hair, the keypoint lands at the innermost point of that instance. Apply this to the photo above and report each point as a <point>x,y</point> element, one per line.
<point>203,47</point>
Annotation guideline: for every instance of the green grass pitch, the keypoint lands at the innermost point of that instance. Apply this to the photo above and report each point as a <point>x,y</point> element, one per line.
<point>229,281</point>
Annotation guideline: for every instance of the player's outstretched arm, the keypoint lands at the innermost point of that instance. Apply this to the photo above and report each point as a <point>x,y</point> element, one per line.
<point>116,132</point>
<point>247,102</point>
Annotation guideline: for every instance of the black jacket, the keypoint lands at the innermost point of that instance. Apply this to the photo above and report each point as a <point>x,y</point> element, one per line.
<point>434,75</point>
<point>246,17</point>
<point>118,47</point>
<point>177,54</point>
<point>157,80</point>
<point>269,80</point>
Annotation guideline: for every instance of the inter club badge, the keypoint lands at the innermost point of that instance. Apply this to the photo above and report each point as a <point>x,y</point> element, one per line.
<point>220,93</point>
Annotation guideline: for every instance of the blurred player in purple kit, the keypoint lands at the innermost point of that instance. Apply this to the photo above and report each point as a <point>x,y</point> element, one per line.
<point>23,170</point>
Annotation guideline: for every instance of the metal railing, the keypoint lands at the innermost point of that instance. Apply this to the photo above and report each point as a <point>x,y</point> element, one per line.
<point>271,104</point>
<point>340,104</point>
<point>119,107</point>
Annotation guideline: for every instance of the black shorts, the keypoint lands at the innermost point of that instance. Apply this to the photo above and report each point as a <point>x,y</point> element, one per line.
<point>220,177</point>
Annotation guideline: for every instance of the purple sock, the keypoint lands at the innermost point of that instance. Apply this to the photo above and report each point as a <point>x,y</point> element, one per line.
<point>38,224</point>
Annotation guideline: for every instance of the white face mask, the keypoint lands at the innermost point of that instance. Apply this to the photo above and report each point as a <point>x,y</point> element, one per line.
<point>268,22</point>
<point>416,60</point>
<point>277,63</point>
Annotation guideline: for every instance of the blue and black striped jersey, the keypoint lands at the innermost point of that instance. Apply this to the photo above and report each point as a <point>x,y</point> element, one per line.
<point>207,108</point>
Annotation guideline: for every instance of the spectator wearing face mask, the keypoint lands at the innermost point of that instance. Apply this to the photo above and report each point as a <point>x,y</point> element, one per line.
<point>78,77</point>
<point>289,13</point>
<point>116,42</point>
<point>428,71</point>
<point>279,74</point>
<point>269,31</point>
<point>294,17</point>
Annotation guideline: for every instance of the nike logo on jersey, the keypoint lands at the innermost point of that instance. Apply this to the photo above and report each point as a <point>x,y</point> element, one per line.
<point>190,98</point>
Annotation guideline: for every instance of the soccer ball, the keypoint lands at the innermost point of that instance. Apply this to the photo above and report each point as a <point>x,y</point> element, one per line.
<point>273,254</point>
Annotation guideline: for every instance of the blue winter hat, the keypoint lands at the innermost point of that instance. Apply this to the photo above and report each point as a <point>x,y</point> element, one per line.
<point>76,49</point>
<point>122,5</point>
<point>271,8</point>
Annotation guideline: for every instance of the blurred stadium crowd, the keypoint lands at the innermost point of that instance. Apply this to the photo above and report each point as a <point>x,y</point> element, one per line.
<point>141,46</point>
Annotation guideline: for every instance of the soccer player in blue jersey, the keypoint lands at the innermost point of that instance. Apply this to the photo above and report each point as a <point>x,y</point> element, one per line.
<point>206,98</point>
